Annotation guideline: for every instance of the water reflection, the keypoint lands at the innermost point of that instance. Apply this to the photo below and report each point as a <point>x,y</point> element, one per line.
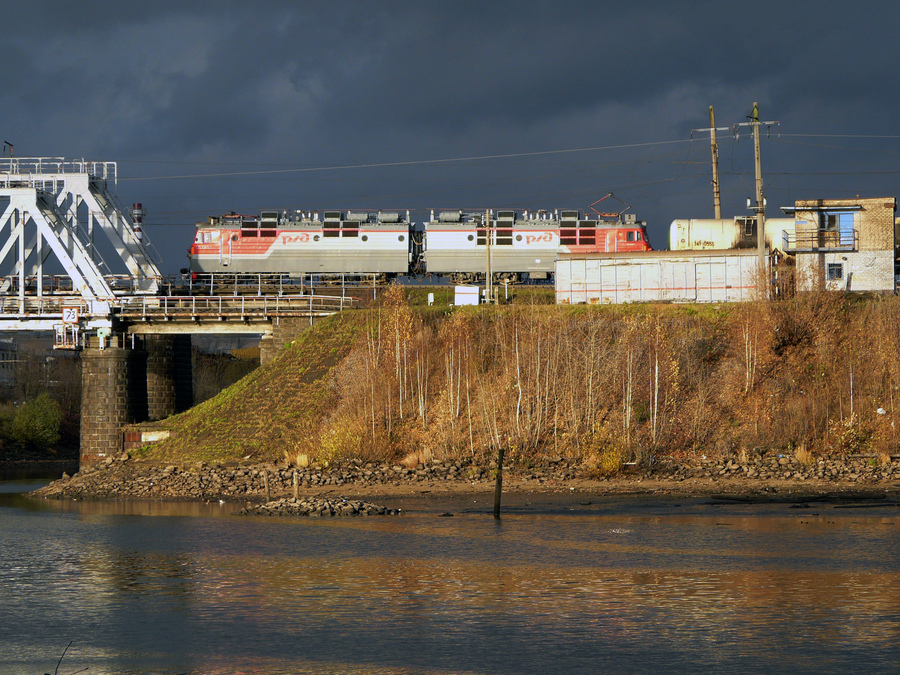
<point>611,590</point>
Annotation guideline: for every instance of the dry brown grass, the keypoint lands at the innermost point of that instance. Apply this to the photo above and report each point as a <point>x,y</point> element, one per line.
<point>607,462</point>
<point>804,456</point>
<point>413,459</point>
<point>398,384</point>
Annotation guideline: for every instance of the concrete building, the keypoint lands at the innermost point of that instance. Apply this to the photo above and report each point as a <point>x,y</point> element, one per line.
<point>843,244</point>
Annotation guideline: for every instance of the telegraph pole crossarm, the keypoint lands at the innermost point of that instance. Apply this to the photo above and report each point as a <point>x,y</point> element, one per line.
<point>489,275</point>
<point>760,201</point>
<point>712,129</point>
<point>760,209</point>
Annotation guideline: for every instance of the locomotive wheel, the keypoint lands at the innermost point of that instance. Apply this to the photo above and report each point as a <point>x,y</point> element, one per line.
<point>510,278</point>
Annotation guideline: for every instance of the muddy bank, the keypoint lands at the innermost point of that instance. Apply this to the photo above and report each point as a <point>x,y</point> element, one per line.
<point>765,476</point>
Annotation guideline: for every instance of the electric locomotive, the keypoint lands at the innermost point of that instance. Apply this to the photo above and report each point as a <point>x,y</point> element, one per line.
<point>294,243</point>
<point>524,245</point>
<point>381,245</point>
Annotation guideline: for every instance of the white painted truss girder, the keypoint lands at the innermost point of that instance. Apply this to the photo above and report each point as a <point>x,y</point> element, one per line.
<point>29,209</point>
<point>119,229</point>
<point>74,183</point>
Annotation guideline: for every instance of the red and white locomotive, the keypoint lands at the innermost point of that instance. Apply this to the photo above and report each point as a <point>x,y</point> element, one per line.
<point>524,245</point>
<point>381,245</point>
<point>299,242</point>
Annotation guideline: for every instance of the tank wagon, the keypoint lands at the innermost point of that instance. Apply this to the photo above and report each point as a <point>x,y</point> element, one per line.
<point>524,244</point>
<point>706,234</point>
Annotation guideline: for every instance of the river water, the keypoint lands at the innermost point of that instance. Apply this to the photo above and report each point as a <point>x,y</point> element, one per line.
<point>612,586</point>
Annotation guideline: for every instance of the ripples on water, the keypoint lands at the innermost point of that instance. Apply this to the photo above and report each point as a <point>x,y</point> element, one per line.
<point>614,588</point>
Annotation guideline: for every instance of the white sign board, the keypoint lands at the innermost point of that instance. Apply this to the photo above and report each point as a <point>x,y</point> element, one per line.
<point>466,295</point>
<point>70,314</point>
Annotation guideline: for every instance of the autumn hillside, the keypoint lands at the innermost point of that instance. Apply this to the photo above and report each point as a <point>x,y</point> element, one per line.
<point>816,374</point>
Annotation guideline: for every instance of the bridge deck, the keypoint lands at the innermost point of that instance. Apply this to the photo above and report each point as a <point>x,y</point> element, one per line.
<point>180,314</point>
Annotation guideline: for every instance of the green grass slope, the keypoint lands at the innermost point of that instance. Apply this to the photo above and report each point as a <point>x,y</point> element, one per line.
<point>270,411</point>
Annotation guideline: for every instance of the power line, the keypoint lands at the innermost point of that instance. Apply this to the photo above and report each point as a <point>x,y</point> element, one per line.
<point>420,162</point>
<point>838,136</point>
<point>833,173</point>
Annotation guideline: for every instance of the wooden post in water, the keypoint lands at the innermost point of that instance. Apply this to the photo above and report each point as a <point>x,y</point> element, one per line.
<point>266,481</point>
<point>498,485</point>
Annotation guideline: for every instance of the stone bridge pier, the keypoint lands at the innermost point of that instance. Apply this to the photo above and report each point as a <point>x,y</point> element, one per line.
<point>147,379</point>
<point>283,331</point>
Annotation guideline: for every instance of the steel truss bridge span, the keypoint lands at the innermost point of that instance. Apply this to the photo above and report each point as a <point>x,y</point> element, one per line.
<point>59,217</point>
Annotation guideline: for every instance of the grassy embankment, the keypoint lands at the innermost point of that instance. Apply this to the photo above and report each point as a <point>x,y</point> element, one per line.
<point>817,374</point>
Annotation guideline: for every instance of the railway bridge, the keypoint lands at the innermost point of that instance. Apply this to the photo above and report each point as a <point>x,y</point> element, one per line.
<point>76,264</point>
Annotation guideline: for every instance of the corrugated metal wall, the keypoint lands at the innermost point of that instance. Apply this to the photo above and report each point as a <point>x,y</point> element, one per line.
<point>725,276</point>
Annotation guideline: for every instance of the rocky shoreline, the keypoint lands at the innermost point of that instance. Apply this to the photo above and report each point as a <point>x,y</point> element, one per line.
<point>317,507</point>
<point>125,478</point>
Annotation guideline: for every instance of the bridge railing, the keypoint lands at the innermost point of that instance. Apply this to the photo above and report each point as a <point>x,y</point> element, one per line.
<point>40,307</point>
<point>27,166</point>
<point>61,284</point>
<point>174,285</point>
<point>171,307</point>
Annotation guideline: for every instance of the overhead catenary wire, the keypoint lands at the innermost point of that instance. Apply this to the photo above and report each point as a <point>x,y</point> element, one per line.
<point>894,136</point>
<point>417,162</point>
<point>637,178</point>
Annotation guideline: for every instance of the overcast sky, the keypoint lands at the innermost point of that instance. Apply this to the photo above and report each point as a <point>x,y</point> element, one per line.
<point>210,107</point>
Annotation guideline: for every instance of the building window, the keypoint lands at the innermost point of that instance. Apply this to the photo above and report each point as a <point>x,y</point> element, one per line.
<point>840,221</point>
<point>839,229</point>
<point>834,271</point>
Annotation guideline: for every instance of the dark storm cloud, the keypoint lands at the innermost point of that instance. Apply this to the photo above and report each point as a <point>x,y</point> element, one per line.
<point>175,89</point>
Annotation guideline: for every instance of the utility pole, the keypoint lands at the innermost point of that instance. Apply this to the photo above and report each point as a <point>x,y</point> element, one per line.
<point>760,208</point>
<point>489,279</point>
<point>717,203</point>
<point>760,202</point>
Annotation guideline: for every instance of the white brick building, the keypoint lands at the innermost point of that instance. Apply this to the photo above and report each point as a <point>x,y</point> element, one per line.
<point>844,244</point>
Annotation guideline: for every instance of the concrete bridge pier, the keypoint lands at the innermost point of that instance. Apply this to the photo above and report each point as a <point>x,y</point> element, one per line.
<point>113,394</point>
<point>122,385</point>
<point>267,348</point>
